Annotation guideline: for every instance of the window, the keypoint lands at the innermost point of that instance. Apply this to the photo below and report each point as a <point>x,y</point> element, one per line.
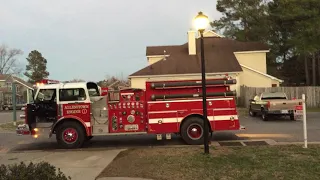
<point>74,94</point>
<point>9,85</point>
<point>274,85</point>
<point>46,95</point>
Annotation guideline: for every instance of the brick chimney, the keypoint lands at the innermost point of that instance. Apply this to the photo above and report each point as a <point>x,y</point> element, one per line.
<point>192,42</point>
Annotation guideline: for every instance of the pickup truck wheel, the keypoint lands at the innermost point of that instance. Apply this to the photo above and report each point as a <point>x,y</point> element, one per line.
<point>292,117</point>
<point>70,135</point>
<point>251,113</point>
<point>264,116</point>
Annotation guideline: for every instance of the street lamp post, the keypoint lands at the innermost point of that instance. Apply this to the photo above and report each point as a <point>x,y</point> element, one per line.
<point>201,22</point>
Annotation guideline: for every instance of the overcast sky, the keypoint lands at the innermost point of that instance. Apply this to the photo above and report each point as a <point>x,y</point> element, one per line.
<point>90,39</point>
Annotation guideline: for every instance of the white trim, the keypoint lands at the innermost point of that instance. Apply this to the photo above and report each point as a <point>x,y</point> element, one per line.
<point>153,56</point>
<point>248,52</point>
<point>22,84</point>
<point>184,75</point>
<point>267,75</point>
<point>217,109</point>
<point>205,32</point>
<point>222,118</point>
<point>126,93</point>
<point>88,124</point>
<point>179,119</point>
<point>188,100</point>
<point>159,112</point>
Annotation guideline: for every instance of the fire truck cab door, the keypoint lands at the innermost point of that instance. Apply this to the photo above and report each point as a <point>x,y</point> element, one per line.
<point>44,108</point>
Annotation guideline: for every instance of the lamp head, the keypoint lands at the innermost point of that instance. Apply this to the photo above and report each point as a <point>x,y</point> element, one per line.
<point>201,21</point>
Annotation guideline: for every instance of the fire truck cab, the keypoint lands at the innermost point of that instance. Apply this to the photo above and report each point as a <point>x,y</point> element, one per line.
<point>75,112</point>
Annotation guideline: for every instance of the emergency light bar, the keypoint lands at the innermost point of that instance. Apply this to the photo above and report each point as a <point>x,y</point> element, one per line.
<point>47,81</point>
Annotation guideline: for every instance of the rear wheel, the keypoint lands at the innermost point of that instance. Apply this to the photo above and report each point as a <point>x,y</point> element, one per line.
<point>292,117</point>
<point>264,115</point>
<point>70,135</point>
<point>192,131</point>
<point>251,113</point>
<point>88,138</point>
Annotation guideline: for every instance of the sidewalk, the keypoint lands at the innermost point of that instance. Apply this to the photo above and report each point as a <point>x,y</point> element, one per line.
<point>79,165</point>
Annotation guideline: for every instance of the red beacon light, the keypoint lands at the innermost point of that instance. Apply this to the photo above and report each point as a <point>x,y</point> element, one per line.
<point>46,81</point>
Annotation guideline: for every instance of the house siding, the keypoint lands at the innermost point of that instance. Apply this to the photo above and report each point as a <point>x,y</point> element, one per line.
<point>254,60</point>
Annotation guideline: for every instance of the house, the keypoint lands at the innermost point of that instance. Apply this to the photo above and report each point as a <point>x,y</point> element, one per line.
<point>6,89</point>
<point>244,61</point>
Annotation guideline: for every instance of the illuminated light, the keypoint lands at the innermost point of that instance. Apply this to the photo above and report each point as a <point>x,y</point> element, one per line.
<point>104,108</point>
<point>36,129</point>
<point>201,21</point>
<point>35,136</point>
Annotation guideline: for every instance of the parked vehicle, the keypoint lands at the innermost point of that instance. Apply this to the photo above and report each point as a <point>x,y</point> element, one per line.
<point>8,107</point>
<point>163,108</point>
<point>272,104</point>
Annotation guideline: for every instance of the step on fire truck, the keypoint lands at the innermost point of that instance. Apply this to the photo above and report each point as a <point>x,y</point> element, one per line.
<point>75,112</point>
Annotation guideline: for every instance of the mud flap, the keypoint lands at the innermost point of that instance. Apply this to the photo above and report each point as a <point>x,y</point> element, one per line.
<point>242,127</point>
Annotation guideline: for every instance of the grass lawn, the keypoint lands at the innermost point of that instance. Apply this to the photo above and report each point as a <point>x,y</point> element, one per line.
<point>9,126</point>
<point>259,162</point>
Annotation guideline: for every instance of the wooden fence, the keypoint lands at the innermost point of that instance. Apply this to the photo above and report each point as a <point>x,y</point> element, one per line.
<point>312,94</point>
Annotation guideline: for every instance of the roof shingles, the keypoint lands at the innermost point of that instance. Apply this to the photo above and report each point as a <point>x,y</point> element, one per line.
<point>219,57</point>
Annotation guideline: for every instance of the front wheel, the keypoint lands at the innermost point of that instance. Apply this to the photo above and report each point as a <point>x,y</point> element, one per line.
<point>70,135</point>
<point>192,131</point>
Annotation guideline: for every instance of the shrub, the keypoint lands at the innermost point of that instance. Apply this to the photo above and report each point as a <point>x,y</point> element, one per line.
<point>38,171</point>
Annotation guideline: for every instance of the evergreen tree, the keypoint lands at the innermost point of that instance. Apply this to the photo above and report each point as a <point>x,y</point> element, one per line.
<point>36,69</point>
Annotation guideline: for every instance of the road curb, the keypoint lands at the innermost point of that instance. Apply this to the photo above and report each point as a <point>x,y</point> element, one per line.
<point>121,178</point>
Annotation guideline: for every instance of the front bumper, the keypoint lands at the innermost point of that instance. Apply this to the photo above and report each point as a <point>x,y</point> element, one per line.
<point>280,112</point>
<point>23,129</point>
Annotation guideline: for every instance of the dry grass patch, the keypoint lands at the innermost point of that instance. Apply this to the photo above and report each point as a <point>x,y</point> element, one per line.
<point>9,126</point>
<point>262,162</point>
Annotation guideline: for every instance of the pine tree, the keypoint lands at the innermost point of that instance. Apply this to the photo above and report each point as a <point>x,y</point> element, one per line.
<point>36,69</point>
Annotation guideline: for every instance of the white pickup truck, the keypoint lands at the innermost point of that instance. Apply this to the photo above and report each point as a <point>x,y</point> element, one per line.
<point>272,104</point>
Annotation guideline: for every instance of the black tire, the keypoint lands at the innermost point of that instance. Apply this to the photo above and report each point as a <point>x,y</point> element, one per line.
<point>292,117</point>
<point>264,115</point>
<point>88,138</point>
<point>75,141</point>
<point>251,113</point>
<point>195,123</point>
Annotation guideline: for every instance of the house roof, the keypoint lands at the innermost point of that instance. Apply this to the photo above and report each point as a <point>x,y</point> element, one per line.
<point>10,78</point>
<point>264,74</point>
<point>219,57</point>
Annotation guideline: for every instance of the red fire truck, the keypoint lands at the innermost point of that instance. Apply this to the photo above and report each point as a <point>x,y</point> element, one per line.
<point>75,112</point>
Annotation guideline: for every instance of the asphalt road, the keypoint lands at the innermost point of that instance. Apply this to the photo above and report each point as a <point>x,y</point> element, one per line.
<point>281,130</point>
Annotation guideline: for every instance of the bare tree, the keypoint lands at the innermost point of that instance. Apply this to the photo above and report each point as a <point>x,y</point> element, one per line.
<point>8,60</point>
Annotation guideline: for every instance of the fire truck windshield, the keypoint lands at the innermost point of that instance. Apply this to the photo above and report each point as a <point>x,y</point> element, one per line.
<point>45,95</point>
